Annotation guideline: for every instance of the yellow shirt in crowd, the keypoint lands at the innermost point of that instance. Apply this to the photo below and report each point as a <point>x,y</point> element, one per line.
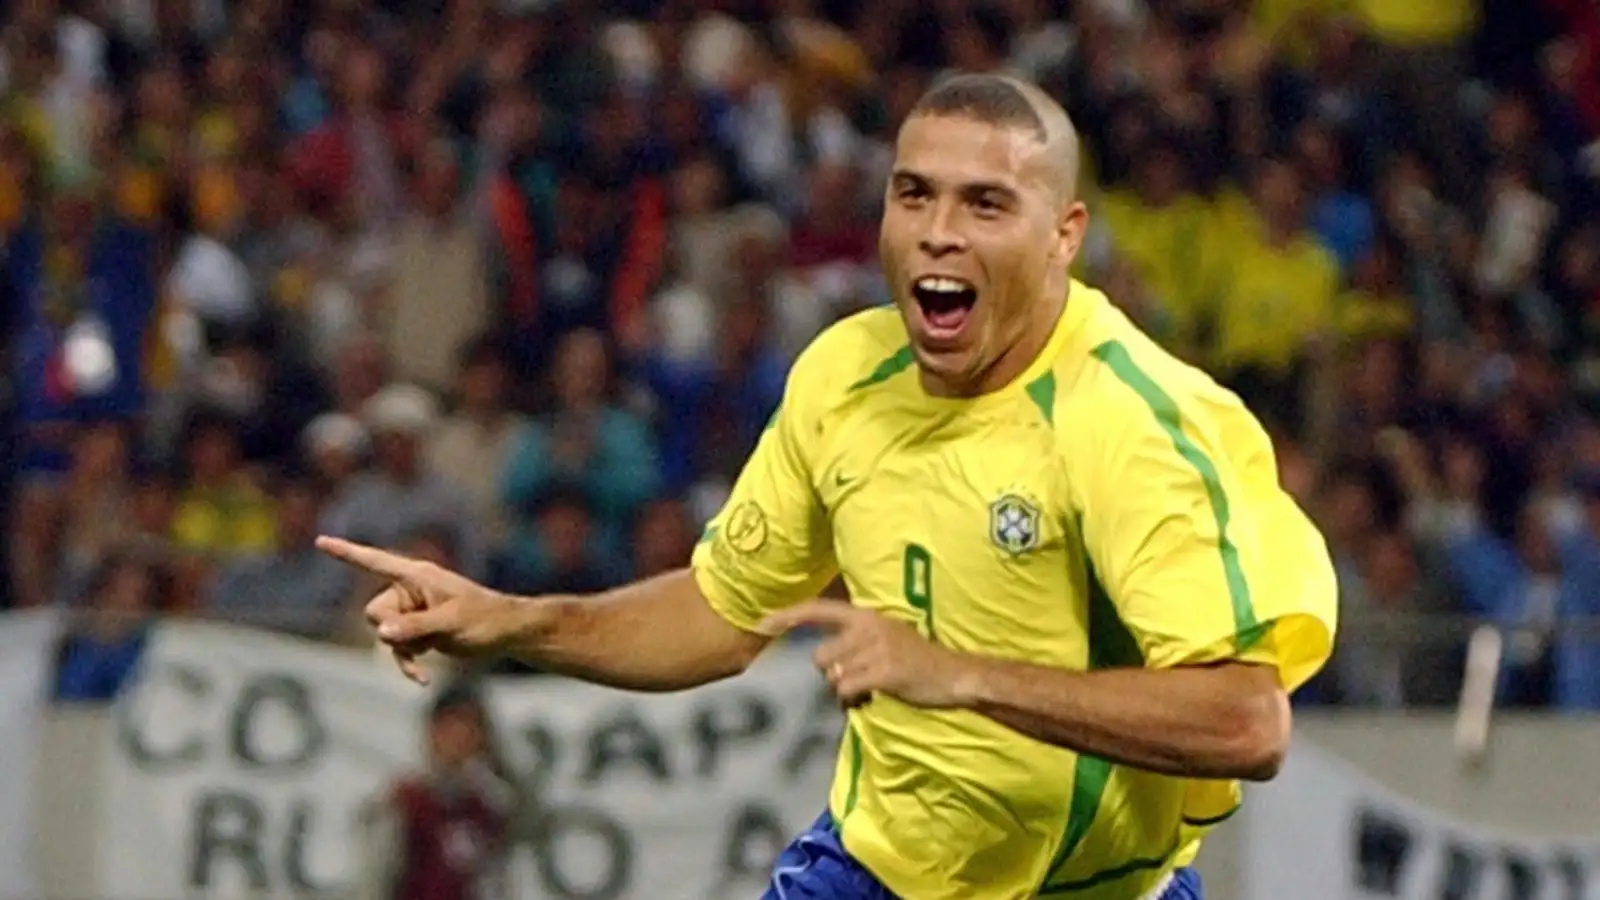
<point>1270,301</point>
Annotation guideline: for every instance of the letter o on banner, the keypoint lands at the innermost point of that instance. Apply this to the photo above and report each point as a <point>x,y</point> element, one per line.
<point>600,874</point>
<point>295,698</point>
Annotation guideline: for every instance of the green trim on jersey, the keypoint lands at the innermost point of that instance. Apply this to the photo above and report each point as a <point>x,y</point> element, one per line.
<point>1111,644</point>
<point>1090,775</point>
<point>1105,875</point>
<point>853,791</point>
<point>890,367</point>
<point>1247,631</point>
<point>1042,391</point>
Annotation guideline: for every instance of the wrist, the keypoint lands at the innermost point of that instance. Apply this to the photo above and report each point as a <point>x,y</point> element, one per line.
<point>525,622</point>
<point>972,682</point>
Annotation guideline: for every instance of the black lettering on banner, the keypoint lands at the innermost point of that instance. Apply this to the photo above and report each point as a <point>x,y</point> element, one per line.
<point>228,829</point>
<point>294,850</point>
<point>727,721</point>
<point>821,734</point>
<point>1382,846</point>
<point>544,750</point>
<point>291,694</point>
<point>626,737</point>
<point>560,827</point>
<point>755,837</point>
<point>1573,877</point>
<point>1523,877</point>
<point>131,736</point>
<point>1463,869</point>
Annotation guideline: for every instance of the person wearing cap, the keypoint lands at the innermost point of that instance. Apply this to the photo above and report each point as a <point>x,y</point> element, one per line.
<point>400,494</point>
<point>335,446</point>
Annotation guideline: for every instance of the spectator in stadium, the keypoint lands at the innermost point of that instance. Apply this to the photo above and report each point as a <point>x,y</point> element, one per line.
<point>335,447</point>
<point>400,494</point>
<point>587,441</point>
<point>1520,585</point>
<point>475,444</point>
<point>102,647</point>
<point>223,510</point>
<point>1391,666</point>
<point>1274,300</point>
<point>1159,228</point>
<point>439,252</point>
<point>291,587</point>
<point>90,518</point>
<point>444,831</point>
<point>559,550</point>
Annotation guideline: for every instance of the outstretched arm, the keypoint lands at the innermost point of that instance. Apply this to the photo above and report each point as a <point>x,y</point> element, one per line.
<point>654,635</point>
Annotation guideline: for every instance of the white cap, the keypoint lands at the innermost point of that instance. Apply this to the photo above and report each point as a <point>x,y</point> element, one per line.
<point>403,408</point>
<point>335,431</point>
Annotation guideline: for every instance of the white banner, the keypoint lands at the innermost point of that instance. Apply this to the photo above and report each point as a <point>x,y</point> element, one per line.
<point>1324,831</point>
<point>242,760</point>
<point>27,661</point>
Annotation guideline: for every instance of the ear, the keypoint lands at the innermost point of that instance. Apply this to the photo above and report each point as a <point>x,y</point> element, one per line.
<point>1071,228</point>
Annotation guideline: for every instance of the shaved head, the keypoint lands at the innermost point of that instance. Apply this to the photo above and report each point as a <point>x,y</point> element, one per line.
<point>981,223</point>
<point>1013,102</point>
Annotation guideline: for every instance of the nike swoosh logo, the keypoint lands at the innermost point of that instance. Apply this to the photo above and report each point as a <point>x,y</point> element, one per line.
<point>840,479</point>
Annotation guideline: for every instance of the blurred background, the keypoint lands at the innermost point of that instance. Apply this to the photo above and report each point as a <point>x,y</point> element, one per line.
<point>513,285</point>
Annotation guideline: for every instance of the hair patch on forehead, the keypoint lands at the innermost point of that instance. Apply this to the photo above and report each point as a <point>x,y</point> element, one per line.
<point>991,99</point>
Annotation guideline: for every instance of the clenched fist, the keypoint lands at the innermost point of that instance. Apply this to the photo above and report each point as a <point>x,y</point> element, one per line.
<point>428,607</point>
<point>866,653</point>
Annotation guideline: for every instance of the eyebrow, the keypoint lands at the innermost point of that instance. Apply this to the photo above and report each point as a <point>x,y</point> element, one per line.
<point>972,188</point>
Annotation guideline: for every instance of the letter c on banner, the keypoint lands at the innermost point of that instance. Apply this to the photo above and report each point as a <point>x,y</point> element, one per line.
<point>293,696</point>
<point>130,730</point>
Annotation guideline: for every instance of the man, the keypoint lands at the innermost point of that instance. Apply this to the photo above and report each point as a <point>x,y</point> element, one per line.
<point>1079,595</point>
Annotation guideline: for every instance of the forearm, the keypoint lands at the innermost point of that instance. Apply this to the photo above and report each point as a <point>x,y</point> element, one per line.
<point>1228,721</point>
<point>654,635</point>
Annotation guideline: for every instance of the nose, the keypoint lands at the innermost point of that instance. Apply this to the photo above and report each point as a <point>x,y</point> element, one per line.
<point>942,237</point>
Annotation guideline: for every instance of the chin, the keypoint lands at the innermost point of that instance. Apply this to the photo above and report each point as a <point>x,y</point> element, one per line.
<point>952,366</point>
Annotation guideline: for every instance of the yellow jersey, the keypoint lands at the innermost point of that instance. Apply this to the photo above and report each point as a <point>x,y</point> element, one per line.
<point>1408,23</point>
<point>1111,507</point>
<point>1271,301</point>
<point>1167,246</point>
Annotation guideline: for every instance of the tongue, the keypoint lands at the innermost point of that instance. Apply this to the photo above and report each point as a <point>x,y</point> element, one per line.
<point>947,319</point>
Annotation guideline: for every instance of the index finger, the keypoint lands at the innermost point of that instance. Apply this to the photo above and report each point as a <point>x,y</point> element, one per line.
<point>378,562</point>
<point>830,614</point>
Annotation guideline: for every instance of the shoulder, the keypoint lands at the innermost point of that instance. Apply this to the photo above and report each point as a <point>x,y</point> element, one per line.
<point>860,349</point>
<point>1131,392</point>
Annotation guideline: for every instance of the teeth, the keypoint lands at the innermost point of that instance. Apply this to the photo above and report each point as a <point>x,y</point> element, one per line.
<point>942,285</point>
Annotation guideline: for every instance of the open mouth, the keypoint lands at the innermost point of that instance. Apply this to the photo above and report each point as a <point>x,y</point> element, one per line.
<point>946,302</point>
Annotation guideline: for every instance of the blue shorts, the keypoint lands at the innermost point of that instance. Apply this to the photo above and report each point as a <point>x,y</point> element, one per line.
<point>816,867</point>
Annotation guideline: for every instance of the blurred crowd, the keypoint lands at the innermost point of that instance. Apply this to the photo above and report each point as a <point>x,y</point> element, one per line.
<point>514,285</point>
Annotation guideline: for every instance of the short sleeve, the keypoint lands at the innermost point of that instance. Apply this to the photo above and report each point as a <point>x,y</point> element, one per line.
<point>770,547</point>
<point>1204,556</point>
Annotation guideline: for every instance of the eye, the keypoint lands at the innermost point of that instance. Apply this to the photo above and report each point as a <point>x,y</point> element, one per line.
<point>911,193</point>
<point>987,206</point>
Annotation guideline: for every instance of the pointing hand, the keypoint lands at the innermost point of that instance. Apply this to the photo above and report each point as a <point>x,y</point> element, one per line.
<point>424,607</point>
<point>867,652</point>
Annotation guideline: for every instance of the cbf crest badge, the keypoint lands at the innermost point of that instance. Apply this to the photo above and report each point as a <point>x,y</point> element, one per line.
<point>1014,523</point>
